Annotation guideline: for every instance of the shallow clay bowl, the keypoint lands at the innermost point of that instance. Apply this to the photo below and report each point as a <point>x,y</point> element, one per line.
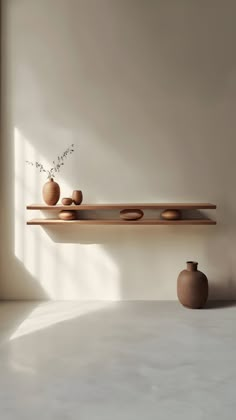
<point>171,214</point>
<point>67,201</point>
<point>67,215</point>
<point>130,214</point>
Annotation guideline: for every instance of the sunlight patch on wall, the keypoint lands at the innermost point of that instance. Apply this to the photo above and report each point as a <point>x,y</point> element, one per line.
<point>69,270</point>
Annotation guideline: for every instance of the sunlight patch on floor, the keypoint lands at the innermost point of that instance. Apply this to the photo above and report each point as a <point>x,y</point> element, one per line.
<point>52,313</point>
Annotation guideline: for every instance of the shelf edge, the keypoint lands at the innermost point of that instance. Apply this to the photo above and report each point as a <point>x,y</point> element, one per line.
<point>105,222</point>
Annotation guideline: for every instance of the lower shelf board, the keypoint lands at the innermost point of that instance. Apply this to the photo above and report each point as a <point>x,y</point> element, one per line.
<point>122,222</point>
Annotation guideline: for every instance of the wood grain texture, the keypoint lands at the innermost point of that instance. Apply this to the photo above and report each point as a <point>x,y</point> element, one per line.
<point>120,206</point>
<point>123,222</point>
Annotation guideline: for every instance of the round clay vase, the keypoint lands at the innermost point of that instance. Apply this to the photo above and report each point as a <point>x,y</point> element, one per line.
<point>67,215</point>
<point>192,287</point>
<point>77,197</point>
<point>171,214</point>
<point>127,214</point>
<point>51,192</point>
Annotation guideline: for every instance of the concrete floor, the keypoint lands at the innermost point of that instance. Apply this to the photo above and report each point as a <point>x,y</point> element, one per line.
<point>113,361</point>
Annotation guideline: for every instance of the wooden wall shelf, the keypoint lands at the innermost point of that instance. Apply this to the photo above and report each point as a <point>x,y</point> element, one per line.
<point>142,222</point>
<point>120,206</point>
<point>118,222</point>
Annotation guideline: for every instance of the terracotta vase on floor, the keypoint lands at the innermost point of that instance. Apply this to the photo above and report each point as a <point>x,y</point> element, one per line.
<point>192,287</point>
<point>51,192</point>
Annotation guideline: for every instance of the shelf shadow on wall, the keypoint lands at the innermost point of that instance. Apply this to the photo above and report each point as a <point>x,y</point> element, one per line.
<point>124,255</point>
<point>99,234</point>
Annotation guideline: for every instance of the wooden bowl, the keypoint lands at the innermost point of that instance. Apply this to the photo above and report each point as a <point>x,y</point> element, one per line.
<point>67,215</point>
<point>131,214</point>
<point>67,201</point>
<point>171,214</point>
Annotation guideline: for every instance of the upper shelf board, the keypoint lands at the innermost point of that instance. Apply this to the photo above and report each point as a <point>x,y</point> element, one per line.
<point>120,206</point>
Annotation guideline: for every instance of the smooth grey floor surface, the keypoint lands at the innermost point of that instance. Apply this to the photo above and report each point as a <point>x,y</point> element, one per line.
<point>113,361</point>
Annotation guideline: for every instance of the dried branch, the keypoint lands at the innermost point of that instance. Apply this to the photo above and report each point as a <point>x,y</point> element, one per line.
<point>57,164</point>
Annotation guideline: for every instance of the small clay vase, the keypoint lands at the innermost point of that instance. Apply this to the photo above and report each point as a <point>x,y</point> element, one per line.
<point>66,201</point>
<point>171,214</point>
<point>127,214</point>
<point>77,197</point>
<point>51,192</point>
<point>67,215</point>
<point>192,287</point>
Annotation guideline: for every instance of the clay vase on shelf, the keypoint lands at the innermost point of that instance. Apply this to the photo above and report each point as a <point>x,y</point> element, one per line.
<point>192,287</point>
<point>67,215</point>
<point>66,201</point>
<point>171,214</point>
<point>51,192</point>
<point>77,197</point>
<point>128,214</point>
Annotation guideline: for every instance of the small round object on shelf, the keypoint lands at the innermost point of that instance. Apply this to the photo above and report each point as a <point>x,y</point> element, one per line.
<point>131,214</point>
<point>67,215</point>
<point>66,201</point>
<point>171,214</point>
<point>77,197</point>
